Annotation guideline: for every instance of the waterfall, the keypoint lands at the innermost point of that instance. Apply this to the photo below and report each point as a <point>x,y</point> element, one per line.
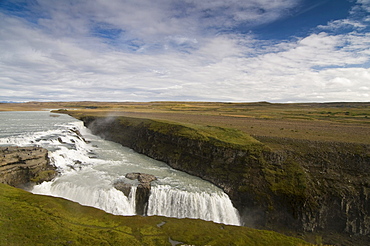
<point>106,198</point>
<point>89,166</point>
<point>217,207</point>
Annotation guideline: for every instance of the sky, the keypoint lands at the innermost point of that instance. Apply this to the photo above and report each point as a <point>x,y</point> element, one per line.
<point>185,50</point>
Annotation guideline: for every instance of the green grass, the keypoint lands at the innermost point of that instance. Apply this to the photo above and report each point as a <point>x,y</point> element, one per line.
<point>43,176</point>
<point>289,180</point>
<point>28,219</point>
<point>342,122</point>
<point>218,135</point>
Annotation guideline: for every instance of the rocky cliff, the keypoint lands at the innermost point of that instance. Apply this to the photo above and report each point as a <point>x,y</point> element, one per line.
<point>20,166</point>
<point>142,189</point>
<point>301,186</point>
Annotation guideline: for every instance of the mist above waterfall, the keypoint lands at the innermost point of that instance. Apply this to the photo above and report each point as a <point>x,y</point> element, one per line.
<point>89,166</point>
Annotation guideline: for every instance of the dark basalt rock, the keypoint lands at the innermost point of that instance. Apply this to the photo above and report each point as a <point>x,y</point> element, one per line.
<point>306,186</point>
<point>142,198</point>
<point>142,190</point>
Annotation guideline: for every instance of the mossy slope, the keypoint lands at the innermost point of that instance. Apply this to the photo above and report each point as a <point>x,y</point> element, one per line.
<point>297,186</point>
<point>220,136</point>
<point>28,219</point>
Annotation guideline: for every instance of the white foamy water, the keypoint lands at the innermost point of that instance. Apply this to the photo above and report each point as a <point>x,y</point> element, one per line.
<point>90,165</point>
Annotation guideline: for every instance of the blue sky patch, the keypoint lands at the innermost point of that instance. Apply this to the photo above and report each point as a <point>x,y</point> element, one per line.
<point>145,50</point>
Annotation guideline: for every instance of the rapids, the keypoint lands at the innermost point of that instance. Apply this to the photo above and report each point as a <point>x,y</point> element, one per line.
<point>89,166</point>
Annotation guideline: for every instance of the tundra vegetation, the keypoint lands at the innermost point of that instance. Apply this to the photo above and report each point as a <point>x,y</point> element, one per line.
<point>342,122</point>
<point>306,162</point>
<point>28,219</point>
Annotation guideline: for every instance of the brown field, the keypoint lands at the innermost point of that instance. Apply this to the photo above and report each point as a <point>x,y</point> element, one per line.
<point>342,122</point>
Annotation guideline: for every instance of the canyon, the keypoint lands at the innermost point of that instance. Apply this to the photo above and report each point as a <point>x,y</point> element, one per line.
<point>28,219</point>
<point>299,169</point>
<point>302,186</point>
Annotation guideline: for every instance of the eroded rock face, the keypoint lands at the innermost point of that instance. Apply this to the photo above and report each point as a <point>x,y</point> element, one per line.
<point>307,186</point>
<point>20,166</point>
<point>142,191</point>
<point>124,187</point>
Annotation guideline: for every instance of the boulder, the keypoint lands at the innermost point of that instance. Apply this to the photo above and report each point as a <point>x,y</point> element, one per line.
<point>141,177</point>
<point>142,191</point>
<point>124,187</point>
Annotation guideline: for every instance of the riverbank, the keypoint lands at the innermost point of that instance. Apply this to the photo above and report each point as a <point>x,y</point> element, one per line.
<point>307,187</point>
<point>306,173</point>
<point>28,219</point>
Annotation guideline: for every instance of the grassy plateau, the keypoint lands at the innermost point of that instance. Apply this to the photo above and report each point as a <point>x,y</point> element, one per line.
<point>342,122</point>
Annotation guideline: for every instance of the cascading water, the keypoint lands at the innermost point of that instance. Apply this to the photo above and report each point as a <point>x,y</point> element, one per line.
<point>89,166</point>
<point>214,206</point>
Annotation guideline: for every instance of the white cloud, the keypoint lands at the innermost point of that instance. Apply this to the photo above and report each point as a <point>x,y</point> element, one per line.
<point>344,23</point>
<point>177,55</point>
<point>152,20</point>
<point>364,4</point>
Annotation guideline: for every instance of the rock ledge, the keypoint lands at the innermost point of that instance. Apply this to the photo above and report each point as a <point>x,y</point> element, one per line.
<point>20,166</point>
<point>142,192</point>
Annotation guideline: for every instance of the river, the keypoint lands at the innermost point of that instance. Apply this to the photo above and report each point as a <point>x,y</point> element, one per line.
<point>90,165</point>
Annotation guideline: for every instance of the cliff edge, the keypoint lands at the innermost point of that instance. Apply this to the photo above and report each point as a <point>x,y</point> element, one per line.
<point>302,186</point>
<point>20,166</point>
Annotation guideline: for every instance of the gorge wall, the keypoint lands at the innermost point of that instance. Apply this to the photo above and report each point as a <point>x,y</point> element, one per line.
<point>20,166</point>
<point>305,186</point>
